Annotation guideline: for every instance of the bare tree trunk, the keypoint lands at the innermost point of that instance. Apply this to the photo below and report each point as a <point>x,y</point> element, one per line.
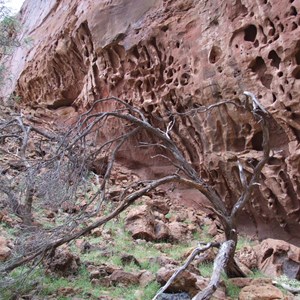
<point>73,152</point>
<point>219,264</point>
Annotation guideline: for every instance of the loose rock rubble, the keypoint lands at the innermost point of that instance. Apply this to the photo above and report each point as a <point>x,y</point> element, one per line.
<point>5,251</point>
<point>62,262</point>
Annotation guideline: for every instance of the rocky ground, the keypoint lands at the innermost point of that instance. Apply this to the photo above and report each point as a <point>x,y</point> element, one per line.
<point>162,56</point>
<point>172,56</point>
<point>133,256</point>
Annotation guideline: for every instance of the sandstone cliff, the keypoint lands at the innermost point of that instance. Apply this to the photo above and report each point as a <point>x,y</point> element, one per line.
<point>165,55</point>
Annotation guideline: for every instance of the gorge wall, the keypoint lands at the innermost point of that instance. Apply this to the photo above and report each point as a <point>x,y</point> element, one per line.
<point>165,55</point>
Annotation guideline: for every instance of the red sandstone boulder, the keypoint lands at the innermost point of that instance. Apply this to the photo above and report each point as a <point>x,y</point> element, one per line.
<point>145,278</point>
<point>185,282</point>
<point>68,292</point>
<point>163,261</point>
<point>248,257</point>
<point>261,292</point>
<point>124,278</point>
<point>62,262</point>
<point>162,231</point>
<point>178,231</point>
<point>107,275</point>
<point>140,223</point>
<point>101,271</point>
<point>127,259</point>
<point>245,281</point>
<point>277,257</point>
<point>159,205</point>
<point>5,251</point>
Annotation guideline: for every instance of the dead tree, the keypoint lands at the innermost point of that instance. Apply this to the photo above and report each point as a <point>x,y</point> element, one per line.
<point>72,158</point>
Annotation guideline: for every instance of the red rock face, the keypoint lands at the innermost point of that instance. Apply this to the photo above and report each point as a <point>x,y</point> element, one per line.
<point>164,55</point>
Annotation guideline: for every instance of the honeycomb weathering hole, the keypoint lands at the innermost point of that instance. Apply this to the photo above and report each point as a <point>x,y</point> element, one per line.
<point>296,73</point>
<point>215,54</point>
<point>257,141</point>
<point>293,11</point>
<point>276,60</point>
<point>258,65</point>
<point>297,57</point>
<point>267,254</point>
<point>250,33</point>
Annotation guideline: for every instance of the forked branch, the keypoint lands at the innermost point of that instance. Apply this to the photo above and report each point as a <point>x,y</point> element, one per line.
<point>192,256</point>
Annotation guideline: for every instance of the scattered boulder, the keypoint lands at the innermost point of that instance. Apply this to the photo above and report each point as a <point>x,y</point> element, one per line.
<point>127,259</point>
<point>260,292</point>
<point>248,257</point>
<point>149,222</point>
<point>5,218</point>
<point>5,251</point>
<point>95,274</point>
<point>2,214</point>
<point>192,228</point>
<point>206,257</point>
<point>62,262</point>
<point>213,229</point>
<point>159,216</point>
<point>159,205</point>
<point>97,232</point>
<point>163,261</point>
<point>185,282</point>
<point>124,278</point>
<point>107,275</point>
<point>101,271</point>
<point>219,294</point>
<point>69,207</point>
<point>244,281</point>
<point>67,291</point>
<point>145,278</point>
<point>104,282</point>
<point>276,258</point>
<point>244,268</point>
<point>162,232</point>
<point>178,230</point>
<point>140,223</point>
